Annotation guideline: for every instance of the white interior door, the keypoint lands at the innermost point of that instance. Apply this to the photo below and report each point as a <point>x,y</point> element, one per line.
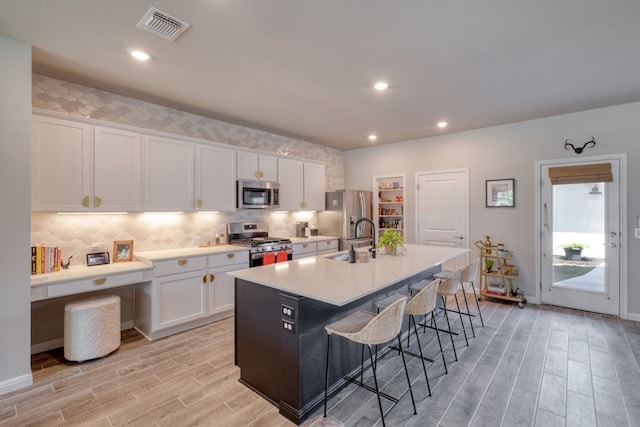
<point>442,211</point>
<point>586,215</point>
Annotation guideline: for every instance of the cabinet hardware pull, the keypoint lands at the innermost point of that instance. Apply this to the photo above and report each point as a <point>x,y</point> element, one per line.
<point>212,277</point>
<point>199,203</point>
<point>230,255</point>
<point>85,201</point>
<point>182,261</point>
<point>304,245</point>
<point>204,279</point>
<point>97,201</point>
<point>100,281</point>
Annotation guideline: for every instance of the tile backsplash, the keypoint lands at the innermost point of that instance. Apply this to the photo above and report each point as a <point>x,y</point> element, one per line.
<point>75,233</point>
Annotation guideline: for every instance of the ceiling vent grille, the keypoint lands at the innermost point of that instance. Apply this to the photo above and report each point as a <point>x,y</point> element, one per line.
<point>162,24</point>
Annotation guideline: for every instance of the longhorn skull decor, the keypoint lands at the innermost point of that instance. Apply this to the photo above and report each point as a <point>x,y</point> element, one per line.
<point>578,150</point>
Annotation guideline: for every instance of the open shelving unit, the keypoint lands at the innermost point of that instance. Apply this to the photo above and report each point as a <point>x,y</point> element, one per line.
<point>497,282</point>
<point>388,202</point>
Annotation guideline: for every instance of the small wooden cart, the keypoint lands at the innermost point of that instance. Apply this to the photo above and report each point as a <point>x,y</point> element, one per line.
<point>497,282</point>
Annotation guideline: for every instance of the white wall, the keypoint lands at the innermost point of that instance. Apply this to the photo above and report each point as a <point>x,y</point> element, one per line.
<point>510,151</point>
<point>15,151</point>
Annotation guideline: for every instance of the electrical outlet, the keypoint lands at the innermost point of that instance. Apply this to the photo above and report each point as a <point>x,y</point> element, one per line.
<point>637,233</point>
<point>196,240</point>
<point>98,247</point>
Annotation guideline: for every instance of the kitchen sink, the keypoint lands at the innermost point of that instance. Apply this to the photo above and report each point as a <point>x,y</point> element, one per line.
<point>339,257</point>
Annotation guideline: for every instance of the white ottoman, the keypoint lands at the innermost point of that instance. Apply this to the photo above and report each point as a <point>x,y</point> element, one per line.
<point>91,327</point>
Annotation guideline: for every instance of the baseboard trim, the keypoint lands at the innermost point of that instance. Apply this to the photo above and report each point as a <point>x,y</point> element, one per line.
<point>16,383</point>
<point>633,316</point>
<point>59,342</point>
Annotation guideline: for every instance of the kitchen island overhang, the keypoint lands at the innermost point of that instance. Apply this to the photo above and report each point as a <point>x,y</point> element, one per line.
<point>281,311</point>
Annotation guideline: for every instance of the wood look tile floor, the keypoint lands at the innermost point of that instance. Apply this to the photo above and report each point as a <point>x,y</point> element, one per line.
<point>539,366</point>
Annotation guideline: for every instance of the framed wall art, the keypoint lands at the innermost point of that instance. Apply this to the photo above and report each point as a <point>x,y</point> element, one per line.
<point>122,250</point>
<point>500,193</point>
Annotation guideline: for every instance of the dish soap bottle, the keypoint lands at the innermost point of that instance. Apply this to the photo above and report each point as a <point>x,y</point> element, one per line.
<point>352,255</point>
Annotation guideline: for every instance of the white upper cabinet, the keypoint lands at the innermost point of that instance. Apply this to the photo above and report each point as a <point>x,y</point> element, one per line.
<point>215,178</point>
<point>117,170</point>
<point>77,167</point>
<point>290,177</point>
<point>314,186</point>
<point>257,166</point>
<point>168,175</point>
<point>301,185</point>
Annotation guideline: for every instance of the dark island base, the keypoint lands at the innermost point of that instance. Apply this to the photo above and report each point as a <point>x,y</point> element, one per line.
<point>280,344</point>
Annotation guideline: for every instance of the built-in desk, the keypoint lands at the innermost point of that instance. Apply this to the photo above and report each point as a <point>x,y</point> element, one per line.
<point>281,311</point>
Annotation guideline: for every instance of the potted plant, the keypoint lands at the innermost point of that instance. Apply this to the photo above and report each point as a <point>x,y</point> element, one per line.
<point>391,240</point>
<point>489,264</point>
<point>573,251</point>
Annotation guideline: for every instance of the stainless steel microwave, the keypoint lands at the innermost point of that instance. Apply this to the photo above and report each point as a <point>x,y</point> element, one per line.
<point>258,194</point>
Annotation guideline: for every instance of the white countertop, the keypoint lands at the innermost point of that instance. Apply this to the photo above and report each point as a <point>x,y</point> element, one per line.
<point>187,252</point>
<point>339,282</point>
<point>84,272</point>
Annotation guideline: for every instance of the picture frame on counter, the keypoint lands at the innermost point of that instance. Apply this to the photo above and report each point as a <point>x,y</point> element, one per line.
<point>97,258</point>
<point>500,193</point>
<point>122,250</point>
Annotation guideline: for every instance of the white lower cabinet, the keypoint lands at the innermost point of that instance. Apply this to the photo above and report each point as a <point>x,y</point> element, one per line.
<point>328,246</point>
<point>307,249</point>
<point>303,250</point>
<point>187,292</point>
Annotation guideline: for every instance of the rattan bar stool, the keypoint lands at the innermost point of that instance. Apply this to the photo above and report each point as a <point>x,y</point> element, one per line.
<point>468,276</point>
<point>421,304</point>
<point>370,329</point>
<point>449,287</point>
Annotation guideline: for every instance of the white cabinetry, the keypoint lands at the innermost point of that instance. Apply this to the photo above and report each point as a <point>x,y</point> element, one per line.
<point>187,292</point>
<point>302,185</point>
<point>304,250</point>
<point>308,249</point>
<point>77,167</point>
<point>179,290</point>
<point>257,166</point>
<point>168,165</point>
<point>221,295</point>
<point>328,246</point>
<point>215,178</point>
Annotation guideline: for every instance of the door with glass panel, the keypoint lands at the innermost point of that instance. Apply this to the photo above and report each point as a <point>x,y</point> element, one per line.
<point>580,235</point>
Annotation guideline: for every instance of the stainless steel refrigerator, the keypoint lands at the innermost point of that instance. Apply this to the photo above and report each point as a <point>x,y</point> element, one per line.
<point>343,209</point>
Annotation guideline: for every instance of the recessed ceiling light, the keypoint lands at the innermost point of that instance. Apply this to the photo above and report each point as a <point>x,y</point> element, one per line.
<point>139,55</point>
<point>381,85</point>
<point>442,125</point>
<point>373,137</point>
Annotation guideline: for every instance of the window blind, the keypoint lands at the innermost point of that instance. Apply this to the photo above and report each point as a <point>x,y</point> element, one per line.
<point>579,174</point>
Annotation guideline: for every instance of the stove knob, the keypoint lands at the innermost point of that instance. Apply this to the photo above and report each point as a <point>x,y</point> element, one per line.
<point>258,249</point>
<point>276,247</point>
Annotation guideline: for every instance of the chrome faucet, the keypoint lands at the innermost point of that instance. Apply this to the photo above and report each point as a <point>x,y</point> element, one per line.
<point>373,234</point>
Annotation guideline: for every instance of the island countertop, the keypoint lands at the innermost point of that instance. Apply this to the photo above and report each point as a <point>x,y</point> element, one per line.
<point>340,282</point>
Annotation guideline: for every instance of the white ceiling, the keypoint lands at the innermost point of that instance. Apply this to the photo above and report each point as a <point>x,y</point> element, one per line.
<point>304,68</point>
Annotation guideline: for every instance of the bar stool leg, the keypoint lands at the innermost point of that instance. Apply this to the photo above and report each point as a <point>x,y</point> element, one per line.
<point>477,305</point>
<point>326,376</point>
<point>464,294</point>
<point>460,313</point>
<point>444,305</point>
<point>406,371</point>
<point>433,319</point>
<point>424,367</point>
<point>375,381</point>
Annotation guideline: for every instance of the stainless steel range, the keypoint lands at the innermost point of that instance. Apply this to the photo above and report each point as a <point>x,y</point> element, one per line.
<point>263,250</point>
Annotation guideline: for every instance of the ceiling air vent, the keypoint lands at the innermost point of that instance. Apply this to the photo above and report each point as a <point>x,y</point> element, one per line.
<point>162,24</point>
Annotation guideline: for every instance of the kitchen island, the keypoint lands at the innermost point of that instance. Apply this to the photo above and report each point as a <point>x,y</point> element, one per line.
<point>281,311</point>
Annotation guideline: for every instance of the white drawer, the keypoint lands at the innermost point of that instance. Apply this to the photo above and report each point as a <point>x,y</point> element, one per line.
<point>304,248</point>
<point>328,246</point>
<point>179,265</point>
<point>94,284</point>
<point>229,258</point>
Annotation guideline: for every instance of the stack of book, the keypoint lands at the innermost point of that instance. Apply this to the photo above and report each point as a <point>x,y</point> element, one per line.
<point>496,289</point>
<point>45,259</point>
